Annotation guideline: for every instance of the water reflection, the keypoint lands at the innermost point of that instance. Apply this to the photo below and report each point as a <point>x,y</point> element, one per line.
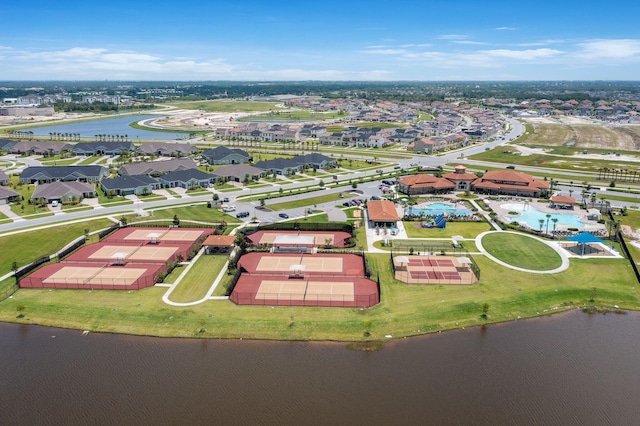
<point>568,369</point>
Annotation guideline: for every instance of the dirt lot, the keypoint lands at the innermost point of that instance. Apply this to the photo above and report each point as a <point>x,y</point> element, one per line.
<point>586,133</point>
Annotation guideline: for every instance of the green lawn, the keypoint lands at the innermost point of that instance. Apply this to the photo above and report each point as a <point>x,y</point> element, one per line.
<point>295,116</point>
<point>198,281</point>
<point>28,246</point>
<point>466,229</point>
<point>521,251</point>
<point>75,207</point>
<point>404,310</point>
<point>198,212</point>
<point>303,202</point>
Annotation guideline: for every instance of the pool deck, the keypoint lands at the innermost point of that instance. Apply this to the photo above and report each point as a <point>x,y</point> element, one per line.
<point>592,225</point>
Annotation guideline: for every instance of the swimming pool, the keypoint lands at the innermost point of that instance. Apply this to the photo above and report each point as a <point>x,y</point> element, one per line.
<point>435,209</point>
<point>531,217</point>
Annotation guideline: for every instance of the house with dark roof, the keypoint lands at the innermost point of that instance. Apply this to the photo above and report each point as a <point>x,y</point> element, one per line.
<point>130,185</point>
<point>103,148</point>
<point>4,179</point>
<point>191,178</point>
<point>315,161</point>
<point>157,168</point>
<point>6,144</point>
<point>40,148</point>
<point>46,174</point>
<point>8,195</point>
<point>421,145</point>
<point>63,192</point>
<point>224,155</point>
<point>280,166</point>
<point>166,149</point>
<point>239,172</point>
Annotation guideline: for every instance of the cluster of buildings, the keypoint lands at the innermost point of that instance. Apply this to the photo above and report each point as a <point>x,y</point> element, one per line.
<point>602,109</point>
<point>494,182</point>
<point>71,184</point>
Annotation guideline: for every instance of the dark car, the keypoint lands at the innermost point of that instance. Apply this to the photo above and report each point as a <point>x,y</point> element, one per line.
<point>242,214</point>
<point>375,197</point>
<point>225,200</point>
<point>284,215</point>
<point>511,167</point>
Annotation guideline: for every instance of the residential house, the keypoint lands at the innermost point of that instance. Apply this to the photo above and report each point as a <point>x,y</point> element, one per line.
<point>103,148</point>
<point>8,195</point>
<point>423,145</point>
<point>63,192</point>
<point>239,172</point>
<point>166,149</point>
<point>40,148</point>
<point>4,179</point>
<point>315,161</point>
<point>280,166</point>
<point>224,155</point>
<point>46,174</point>
<point>191,178</point>
<point>157,168</point>
<point>130,185</point>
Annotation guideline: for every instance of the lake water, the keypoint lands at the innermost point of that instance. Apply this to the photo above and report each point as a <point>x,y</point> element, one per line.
<point>110,126</point>
<point>569,369</point>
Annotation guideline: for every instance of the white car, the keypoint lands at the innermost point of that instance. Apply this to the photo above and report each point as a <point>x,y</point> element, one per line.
<point>54,203</point>
<point>229,209</point>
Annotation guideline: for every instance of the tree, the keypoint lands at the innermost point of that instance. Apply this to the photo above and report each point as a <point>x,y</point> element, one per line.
<point>485,310</point>
<point>548,216</point>
<point>20,308</point>
<point>176,221</point>
<point>321,184</point>
<point>541,222</point>
<point>216,197</point>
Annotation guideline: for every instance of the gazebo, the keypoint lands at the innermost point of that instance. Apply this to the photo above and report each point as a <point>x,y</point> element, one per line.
<point>584,239</point>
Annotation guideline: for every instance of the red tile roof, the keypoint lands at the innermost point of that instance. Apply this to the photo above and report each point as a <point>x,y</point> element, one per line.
<point>382,211</point>
<point>219,240</point>
<point>563,199</point>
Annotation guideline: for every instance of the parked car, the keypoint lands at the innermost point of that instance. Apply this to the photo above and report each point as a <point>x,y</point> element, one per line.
<point>54,203</point>
<point>397,168</point>
<point>379,171</point>
<point>229,209</point>
<point>240,215</point>
<point>511,167</point>
<point>225,200</point>
<point>375,197</point>
<point>284,215</point>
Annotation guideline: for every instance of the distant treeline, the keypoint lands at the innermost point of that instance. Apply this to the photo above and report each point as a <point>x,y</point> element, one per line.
<point>381,90</point>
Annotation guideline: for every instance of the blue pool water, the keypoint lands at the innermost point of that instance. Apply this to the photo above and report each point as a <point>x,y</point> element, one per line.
<point>530,217</point>
<point>435,209</point>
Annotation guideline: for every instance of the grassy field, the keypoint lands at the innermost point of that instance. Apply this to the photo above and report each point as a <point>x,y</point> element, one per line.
<point>466,229</point>
<point>304,202</point>
<point>521,251</point>
<point>404,310</point>
<point>227,106</point>
<point>29,246</point>
<point>195,212</point>
<point>196,283</point>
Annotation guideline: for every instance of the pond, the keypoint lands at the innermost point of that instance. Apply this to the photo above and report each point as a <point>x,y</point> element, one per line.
<point>111,126</point>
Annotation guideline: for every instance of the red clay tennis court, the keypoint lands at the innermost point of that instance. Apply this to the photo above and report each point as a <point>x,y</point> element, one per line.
<point>299,238</point>
<point>156,235</point>
<point>433,270</point>
<point>129,253</point>
<point>336,280</point>
<point>96,277</point>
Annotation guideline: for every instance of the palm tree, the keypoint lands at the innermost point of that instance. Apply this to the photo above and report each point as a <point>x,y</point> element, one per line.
<point>541,221</point>
<point>548,216</point>
<point>555,221</point>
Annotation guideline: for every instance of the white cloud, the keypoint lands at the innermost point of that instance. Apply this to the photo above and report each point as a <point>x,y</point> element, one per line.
<point>621,49</point>
<point>527,55</point>
<point>469,42</point>
<point>506,29</point>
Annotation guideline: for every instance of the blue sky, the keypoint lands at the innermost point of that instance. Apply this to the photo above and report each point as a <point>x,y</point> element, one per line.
<point>320,40</point>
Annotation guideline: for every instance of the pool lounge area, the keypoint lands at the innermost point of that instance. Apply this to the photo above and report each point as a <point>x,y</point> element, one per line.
<point>530,214</point>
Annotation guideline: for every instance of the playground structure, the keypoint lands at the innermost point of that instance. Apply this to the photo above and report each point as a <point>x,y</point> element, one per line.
<point>438,222</point>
